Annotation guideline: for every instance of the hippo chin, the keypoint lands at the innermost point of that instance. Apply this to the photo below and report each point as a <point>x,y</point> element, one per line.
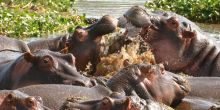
<point>178,43</point>
<point>149,82</point>
<point>41,67</point>
<point>83,43</point>
<point>16,100</point>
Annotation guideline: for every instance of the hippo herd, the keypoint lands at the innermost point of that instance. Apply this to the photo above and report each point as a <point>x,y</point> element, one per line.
<point>44,74</point>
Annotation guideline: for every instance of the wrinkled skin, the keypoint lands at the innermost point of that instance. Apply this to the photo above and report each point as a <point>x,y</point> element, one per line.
<point>149,82</point>
<point>195,103</point>
<point>10,49</point>
<point>16,100</point>
<point>179,44</point>
<point>83,43</point>
<point>41,67</point>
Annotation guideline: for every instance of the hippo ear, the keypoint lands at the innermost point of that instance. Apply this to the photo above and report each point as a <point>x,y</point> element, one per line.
<point>29,57</point>
<point>10,98</point>
<point>189,34</point>
<point>127,104</point>
<point>126,62</point>
<point>162,68</point>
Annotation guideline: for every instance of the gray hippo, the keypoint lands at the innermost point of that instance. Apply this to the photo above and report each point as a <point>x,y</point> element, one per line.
<point>204,94</point>
<point>198,103</point>
<point>141,80</point>
<point>177,43</point>
<point>114,103</point>
<point>16,100</point>
<point>83,43</point>
<point>40,67</point>
<point>10,48</point>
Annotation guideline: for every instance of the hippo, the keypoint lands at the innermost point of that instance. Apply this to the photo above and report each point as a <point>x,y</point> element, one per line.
<point>141,80</point>
<point>177,43</point>
<point>204,87</point>
<point>115,103</point>
<point>11,48</point>
<point>16,100</point>
<point>198,103</point>
<point>40,67</point>
<point>83,43</point>
<point>56,43</point>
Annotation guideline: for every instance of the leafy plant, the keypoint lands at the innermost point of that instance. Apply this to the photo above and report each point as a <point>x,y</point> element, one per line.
<point>203,11</point>
<point>36,18</point>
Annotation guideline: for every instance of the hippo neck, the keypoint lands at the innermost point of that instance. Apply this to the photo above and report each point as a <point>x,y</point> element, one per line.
<point>13,71</point>
<point>201,54</point>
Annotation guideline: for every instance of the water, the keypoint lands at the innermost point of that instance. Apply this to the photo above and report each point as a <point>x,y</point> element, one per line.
<point>98,8</point>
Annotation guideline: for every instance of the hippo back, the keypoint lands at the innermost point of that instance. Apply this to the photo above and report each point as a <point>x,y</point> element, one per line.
<point>55,95</point>
<point>11,48</point>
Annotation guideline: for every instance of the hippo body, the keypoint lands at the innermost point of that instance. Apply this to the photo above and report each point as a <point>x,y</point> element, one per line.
<point>205,87</point>
<point>196,103</point>
<point>53,44</point>
<point>42,66</point>
<point>83,43</point>
<point>177,42</point>
<point>140,80</point>
<point>10,49</point>
<point>54,96</point>
<point>16,100</point>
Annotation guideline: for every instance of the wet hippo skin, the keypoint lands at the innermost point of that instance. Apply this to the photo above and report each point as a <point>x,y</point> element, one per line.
<point>41,67</point>
<point>16,100</point>
<point>141,80</point>
<point>83,43</point>
<point>177,43</point>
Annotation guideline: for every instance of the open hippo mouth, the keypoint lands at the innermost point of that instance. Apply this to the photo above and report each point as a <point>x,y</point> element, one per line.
<point>152,23</point>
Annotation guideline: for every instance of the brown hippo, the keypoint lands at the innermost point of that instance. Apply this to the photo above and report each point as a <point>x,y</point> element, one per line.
<point>177,43</point>
<point>141,80</point>
<point>83,43</point>
<point>10,48</point>
<point>40,67</point>
<point>16,100</point>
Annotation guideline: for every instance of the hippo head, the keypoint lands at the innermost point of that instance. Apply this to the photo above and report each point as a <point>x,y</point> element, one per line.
<point>106,103</point>
<point>105,25</point>
<point>162,85</point>
<point>16,100</point>
<point>149,82</point>
<point>169,36</point>
<point>47,67</point>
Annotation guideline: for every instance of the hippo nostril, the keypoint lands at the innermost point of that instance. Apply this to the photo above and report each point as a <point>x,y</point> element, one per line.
<point>93,82</point>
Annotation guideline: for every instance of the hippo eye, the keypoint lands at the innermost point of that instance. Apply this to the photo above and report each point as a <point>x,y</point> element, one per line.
<point>46,60</point>
<point>105,104</point>
<point>30,101</point>
<point>173,22</point>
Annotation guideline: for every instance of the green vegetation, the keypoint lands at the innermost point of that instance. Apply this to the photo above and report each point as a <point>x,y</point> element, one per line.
<point>36,18</point>
<point>203,11</point>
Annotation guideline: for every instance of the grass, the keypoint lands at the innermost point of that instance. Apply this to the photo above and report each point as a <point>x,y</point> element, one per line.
<point>202,11</point>
<point>36,18</point>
